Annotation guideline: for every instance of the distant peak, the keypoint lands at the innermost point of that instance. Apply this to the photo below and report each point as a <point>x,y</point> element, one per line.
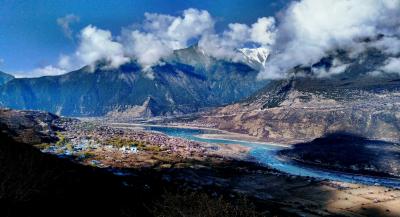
<point>4,77</point>
<point>195,48</point>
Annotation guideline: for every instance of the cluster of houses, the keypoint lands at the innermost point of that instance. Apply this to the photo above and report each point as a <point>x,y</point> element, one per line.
<point>166,143</point>
<point>90,142</point>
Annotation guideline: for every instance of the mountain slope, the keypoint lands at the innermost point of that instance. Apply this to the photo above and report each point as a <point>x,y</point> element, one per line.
<point>305,106</point>
<point>179,85</point>
<point>4,78</point>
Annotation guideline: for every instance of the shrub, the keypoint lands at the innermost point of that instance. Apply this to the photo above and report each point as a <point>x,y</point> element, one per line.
<point>154,148</point>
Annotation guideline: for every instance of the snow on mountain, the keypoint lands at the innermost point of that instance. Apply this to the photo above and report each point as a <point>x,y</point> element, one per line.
<point>255,57</point>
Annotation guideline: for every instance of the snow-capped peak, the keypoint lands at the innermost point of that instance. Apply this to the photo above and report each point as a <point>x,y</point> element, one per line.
<point>255,57</point>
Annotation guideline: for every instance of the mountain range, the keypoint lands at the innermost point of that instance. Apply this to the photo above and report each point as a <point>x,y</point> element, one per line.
<point>308,103</point>
<point>186,81</point>
<point>304,106</point>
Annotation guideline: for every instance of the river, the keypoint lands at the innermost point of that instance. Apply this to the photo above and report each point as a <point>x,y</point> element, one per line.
<point>266,154</point>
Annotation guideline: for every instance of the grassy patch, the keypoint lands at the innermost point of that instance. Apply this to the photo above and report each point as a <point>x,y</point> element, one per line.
<point>119,143</point>
<point>69,147</point>
<point>62,141</point>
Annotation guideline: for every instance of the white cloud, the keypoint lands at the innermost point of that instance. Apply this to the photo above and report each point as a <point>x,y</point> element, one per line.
<point>161,34</point>
<point>263,31</point>
<point>311,28</point>
<point>307,31</point>
<point>392,65</point>
<point>65,62</point>
<point>94,45</point>
<point>39,72</point>
<point>336,68</point>
<point>146,48</point>
<point>389,45</point>
<point>65,24</point>
<point>227,44</point>
<point>97,44</point>
<point>157,38</point>
<point>1,61</point>
<point>179,30</point>
<point>224,46</point>
<point>48,70</point>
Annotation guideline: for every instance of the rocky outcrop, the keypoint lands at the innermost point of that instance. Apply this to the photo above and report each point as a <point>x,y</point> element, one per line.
<point>146,110</point>
<point>31,127</point>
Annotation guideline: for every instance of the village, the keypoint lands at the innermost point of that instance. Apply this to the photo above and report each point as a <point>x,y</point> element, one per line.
<point>101,145</point>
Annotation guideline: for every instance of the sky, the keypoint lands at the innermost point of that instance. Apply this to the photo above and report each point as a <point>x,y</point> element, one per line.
<point>52,37</point>
<point>31,37</point>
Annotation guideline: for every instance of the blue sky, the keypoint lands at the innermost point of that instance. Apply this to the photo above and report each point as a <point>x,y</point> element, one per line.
<point>30,37</point>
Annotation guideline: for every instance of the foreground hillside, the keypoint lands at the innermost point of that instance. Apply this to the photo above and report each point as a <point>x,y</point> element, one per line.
<point>186,82</point>
<point>304,107</point>
<point>38,184</point>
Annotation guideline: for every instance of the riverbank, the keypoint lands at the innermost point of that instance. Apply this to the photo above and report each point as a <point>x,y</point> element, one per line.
<point>216,133</point>
<point>168,151</point>
<point>239,138</point>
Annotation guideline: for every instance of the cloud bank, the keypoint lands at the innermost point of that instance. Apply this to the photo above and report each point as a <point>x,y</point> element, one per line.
<point>226,45</point>
<point>38,72</point>
<point>309,29</point>
<point>161,34</point>
<point>97,44</point>
<point>94,45</point>
<point>157,37</point>
<point>392,65</point>
<point>303,34</point>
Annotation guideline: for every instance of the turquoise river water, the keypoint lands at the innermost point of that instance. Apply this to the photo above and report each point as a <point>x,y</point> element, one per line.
<point>266,154</point>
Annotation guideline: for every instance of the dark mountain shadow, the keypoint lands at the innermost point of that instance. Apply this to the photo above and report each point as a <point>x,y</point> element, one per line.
<point>348,152</point>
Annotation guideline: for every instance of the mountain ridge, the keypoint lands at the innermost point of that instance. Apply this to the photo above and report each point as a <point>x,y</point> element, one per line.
<point>175,86</point>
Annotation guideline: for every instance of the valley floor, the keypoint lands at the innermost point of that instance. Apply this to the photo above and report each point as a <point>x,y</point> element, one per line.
<point>97,168</point>
<point>216,169</point>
